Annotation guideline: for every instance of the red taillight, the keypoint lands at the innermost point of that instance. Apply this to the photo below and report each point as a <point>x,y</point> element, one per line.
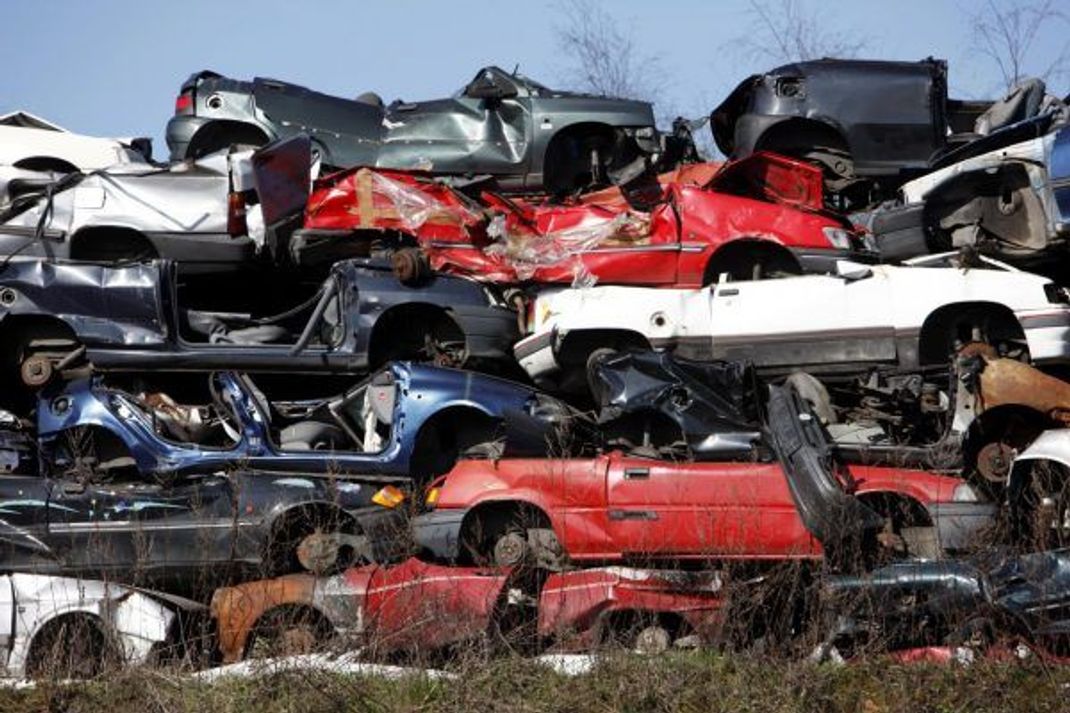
<point>236,225</point>
<point>183,102</point>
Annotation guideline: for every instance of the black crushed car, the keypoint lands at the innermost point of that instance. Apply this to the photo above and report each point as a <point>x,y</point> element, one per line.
<point>504,124</point>
<point>862,121</point>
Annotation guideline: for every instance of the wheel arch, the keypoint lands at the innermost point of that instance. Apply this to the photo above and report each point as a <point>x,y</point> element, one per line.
<point>89,243</point>
<point>46,163</point>
<point>934,337</point>
<point>798,132</point>
<point>577,345</point>
<point>209,135</point>
<point>406,311</point>
<point>734,252</point>
<point>113,646</point>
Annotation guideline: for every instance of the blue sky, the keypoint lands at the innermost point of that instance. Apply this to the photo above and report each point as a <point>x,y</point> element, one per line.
<point>113,67</point>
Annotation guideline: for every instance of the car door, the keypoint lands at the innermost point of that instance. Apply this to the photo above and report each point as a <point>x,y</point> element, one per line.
<point>462,134</point>
<point>725,509</point>
<point>810,320</point>
<point>139,525</point>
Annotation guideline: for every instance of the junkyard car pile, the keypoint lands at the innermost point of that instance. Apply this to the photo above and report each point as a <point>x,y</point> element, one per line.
<point>562,384</point>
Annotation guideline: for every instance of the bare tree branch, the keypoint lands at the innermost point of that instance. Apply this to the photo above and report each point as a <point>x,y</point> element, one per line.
<point>1007,34</point>
<point>794,31</point>
<point>602,56</point>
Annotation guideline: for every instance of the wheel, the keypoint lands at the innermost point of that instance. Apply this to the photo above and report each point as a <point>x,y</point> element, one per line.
<point>652,640</point>
<point>594,384</point>
<point>511,549</point>
<point>287,632</point>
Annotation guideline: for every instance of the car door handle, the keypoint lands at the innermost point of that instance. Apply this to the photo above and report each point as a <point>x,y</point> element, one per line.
<point>642,515</point>
<point>636,473</point>
<point>731,292</point>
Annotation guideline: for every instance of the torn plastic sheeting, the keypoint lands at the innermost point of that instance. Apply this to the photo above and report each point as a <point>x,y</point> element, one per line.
<point>368,199</point>
<point>527,250</point>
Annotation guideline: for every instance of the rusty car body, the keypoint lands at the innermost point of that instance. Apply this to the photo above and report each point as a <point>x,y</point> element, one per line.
<point>420,607</point>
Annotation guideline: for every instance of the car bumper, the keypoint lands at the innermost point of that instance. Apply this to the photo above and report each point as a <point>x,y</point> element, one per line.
<point>1047,332</point>
<point>958,525</point>
<point>439,532</point>
<point>536,354</point>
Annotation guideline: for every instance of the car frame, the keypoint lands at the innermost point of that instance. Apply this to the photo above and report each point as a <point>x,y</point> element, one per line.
<point>431,414</point>
<point>426,608</point>
<point>907,317</point>
<point>761,215</point>
<point>501,123</point>
<point>105,622</point>
<point>619,508</point>
<point>132,317</point>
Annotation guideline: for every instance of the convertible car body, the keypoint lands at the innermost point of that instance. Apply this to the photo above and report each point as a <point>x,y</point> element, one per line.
<point>802,505</point>
<point>405,418</point>
<point>420,607</point>
<point>503,124</point>
<point>757,216</point>
<point>904,317</point>
<point>188,532</point>
<point>142,316</point>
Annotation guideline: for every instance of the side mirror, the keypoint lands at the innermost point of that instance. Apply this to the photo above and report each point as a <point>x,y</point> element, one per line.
<point>852,271</point>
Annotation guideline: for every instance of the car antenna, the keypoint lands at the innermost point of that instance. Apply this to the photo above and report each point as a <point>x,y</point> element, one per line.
<point>516,68</point>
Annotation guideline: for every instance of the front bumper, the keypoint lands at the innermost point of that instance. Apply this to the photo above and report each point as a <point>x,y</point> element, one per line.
<point>439,532</point>
<point>958,525</point>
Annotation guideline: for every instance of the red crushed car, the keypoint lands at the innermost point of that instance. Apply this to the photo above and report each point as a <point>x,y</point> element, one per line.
<point>760,215</point>
<point>416,606</point>
<point>618,507</point>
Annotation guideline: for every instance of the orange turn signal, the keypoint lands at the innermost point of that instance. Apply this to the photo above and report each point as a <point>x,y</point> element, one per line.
<point>389,497</point>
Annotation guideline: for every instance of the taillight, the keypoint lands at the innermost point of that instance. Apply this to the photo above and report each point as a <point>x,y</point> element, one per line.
<point>236,225</point>
<point>184,102</point>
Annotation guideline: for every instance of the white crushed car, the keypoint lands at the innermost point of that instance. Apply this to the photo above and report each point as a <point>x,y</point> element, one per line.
<point>1011,201</point>
<point>60,627</point>
<point>907,317</point>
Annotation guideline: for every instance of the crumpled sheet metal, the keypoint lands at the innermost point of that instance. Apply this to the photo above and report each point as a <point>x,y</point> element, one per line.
<point>373,199</point>
<point>557,236</point>
<point>703,398</point>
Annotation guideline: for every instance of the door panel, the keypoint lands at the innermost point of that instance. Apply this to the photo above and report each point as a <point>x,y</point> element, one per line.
<point>809,320</point>
<point>704,509</point>
<point>142,526</point>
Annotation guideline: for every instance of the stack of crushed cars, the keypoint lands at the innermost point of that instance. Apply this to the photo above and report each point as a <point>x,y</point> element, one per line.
<point>516,369</point>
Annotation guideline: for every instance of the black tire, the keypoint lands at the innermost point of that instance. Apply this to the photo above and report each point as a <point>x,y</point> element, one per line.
<point>593,360</point>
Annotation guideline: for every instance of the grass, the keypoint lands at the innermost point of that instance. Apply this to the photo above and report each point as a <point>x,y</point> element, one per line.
<point>699,682</point>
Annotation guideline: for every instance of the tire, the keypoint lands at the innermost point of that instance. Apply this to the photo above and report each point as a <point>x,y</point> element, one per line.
<point>286,632</point>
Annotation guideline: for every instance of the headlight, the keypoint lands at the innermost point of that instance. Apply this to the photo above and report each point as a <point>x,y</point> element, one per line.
<point>839,238</point>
